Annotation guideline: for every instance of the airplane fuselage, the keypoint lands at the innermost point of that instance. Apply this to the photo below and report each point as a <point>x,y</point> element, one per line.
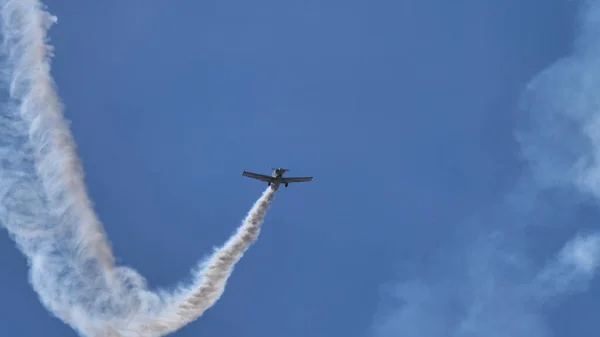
<point>277,175</point>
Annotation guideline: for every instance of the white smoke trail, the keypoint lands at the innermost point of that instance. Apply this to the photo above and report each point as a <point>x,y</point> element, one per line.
<point>191,302</point>
<point>45,208</point>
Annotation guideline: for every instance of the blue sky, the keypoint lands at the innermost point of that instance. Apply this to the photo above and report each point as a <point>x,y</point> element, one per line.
<point>424,217</point>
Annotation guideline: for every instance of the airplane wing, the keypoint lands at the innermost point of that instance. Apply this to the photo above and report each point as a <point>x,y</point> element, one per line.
<point>261,177</point>
<point>296,179</point>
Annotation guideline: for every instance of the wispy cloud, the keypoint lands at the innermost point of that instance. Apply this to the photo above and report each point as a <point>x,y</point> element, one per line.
<point>500,290</point>
<point>497,293</point>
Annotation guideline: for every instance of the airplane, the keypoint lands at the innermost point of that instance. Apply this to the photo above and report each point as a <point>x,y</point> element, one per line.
<point>276,177</point>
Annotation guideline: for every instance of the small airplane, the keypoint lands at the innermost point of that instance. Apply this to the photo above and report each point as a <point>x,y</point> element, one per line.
<point>276,177</point>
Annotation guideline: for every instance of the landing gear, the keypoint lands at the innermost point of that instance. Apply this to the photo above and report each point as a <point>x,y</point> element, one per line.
<point>286,184</point>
